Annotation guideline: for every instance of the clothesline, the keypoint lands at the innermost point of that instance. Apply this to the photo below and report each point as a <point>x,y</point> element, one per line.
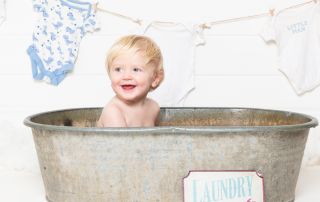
<point>135,20</point>
<point>208,25</point>
<point>270,13</point>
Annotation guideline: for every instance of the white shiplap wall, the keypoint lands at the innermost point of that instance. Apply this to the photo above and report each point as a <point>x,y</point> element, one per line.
<point>235,68</point>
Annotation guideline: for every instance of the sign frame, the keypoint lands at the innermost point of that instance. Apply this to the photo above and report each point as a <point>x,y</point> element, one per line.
<point>257,172</point>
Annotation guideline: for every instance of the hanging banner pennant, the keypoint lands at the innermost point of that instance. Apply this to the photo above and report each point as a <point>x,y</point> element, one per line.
<point>223,186</point>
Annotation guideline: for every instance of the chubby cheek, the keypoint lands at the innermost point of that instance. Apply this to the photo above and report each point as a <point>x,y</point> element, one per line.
<point>145,84</point>
<point>115,85</point>
<point>114,80</point>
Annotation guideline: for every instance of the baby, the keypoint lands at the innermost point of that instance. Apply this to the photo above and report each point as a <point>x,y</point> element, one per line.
<point>134,65</point>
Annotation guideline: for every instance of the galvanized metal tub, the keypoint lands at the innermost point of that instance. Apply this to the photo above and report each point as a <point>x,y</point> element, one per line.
<point>82,163</point>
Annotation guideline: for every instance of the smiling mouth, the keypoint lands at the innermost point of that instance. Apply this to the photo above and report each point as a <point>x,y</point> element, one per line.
<point>128,87</point>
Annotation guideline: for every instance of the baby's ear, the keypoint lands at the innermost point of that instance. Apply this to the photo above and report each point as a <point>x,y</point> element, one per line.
<point>158,77</point>
<point>155,82</point>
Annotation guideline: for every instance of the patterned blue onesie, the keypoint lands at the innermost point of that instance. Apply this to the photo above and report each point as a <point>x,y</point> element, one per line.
<point>57,36</point>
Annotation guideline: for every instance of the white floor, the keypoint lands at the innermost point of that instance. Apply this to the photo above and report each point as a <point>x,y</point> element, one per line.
<point>18,186</point>
<point>308,186</point>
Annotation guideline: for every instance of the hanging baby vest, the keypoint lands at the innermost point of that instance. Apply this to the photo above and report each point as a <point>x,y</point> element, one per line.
<point>57,36</point>
<point>297,34</point>
<point>177,42</point>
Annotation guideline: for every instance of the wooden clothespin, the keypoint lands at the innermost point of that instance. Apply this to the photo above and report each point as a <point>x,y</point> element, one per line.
<point>138,21</point>
<point>95,7</point>
<point>271,11</point>
<point>204,26</point>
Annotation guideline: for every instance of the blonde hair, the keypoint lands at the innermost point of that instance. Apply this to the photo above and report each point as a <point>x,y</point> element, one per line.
<point>136,43</point>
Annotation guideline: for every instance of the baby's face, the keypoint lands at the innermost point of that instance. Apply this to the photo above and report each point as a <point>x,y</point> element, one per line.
<point>131,78</point>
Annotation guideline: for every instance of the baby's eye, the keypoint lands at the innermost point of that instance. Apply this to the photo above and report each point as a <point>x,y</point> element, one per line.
<point>117,69</point>
<point>137,69</point>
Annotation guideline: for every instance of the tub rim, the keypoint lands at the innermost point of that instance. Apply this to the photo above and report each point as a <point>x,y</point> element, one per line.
<point>175,129</point>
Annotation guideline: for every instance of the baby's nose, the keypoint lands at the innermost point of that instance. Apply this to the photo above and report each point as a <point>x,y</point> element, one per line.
<point>127,75</point>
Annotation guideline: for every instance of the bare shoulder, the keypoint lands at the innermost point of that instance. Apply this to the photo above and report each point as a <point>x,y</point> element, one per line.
<point>111,116</point>
<point>154,111</point>
<point>153,106</point>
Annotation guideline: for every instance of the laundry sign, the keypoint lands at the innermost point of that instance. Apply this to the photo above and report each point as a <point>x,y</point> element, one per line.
<point>223,186</point>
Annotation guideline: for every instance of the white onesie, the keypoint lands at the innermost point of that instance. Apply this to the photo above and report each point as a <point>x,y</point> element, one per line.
<point>2,11</point>
<point>296,32</point>
<point>177,43</point>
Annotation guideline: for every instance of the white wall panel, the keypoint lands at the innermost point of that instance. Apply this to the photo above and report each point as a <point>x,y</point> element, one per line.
<point>251,91</point>
<point>236,55</point>
<point>75,91</point>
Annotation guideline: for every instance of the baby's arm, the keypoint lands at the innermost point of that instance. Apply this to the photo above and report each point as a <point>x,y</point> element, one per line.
<point>111,116</point>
